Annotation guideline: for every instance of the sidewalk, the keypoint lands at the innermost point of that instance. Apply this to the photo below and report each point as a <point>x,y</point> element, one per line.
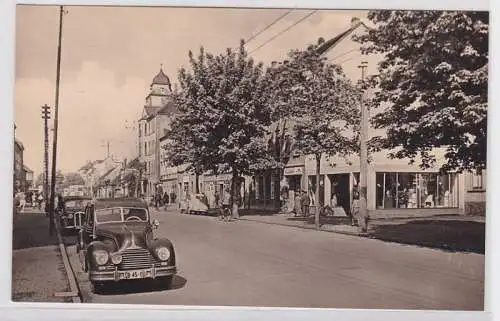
<point>450,233</point>
<point>38,273</point>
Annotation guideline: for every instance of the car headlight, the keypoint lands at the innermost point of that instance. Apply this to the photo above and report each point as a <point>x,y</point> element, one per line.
<point>116,259</point>
<point>70,216</point>
<point>163,253</point>
<point>101,257</point>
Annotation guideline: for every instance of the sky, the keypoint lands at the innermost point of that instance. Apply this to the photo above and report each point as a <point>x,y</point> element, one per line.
<point>111,54</point>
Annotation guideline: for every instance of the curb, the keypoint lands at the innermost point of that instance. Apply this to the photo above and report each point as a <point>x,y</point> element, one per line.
<point>302,227</point>
<point>75,294</point>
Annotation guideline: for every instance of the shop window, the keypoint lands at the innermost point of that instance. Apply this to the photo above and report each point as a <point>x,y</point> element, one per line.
<point>416,190</point>
<point>272,188</point>
<point>380,183</point>
<point>478,181</point>
<point>312,190</point>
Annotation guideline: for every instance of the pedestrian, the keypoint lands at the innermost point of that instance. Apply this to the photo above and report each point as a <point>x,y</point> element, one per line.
<point>297,209</point>
<point>22,201</point>
<point>33,200</point>
<point>165,200</point>
<point>355,207</point>
<point>305,203</point>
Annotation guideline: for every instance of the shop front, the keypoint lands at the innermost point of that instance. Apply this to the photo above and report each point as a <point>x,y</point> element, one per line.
<point>293,178</point>
<point>214,184</point>
<point>416,190</point>
<point>395,188</point>
<point>169,186</point>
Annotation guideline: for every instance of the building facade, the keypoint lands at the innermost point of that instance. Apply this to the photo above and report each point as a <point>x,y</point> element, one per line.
<point>19,173</point>
<point>395,187</point>
<point>28,178</point>
<point>152,126</point>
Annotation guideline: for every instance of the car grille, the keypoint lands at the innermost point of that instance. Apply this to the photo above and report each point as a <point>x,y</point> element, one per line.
<point>138,259</point>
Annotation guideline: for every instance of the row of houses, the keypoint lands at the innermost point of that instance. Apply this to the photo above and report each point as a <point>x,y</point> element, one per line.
<point>395,187</point>
<point>22,175</point>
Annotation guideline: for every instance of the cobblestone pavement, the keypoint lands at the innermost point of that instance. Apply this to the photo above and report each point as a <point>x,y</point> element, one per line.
<point>37,269</point>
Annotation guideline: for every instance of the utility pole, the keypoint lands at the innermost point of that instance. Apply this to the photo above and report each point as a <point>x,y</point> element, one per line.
<point>46,117</point>
<point>56,114</point>
<point>363,157</point>
<point>107,148</point>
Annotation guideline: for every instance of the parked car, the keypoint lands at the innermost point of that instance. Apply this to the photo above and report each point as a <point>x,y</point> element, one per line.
<point>197,204</point>
<point>116,243</point>
<point>71,212</point>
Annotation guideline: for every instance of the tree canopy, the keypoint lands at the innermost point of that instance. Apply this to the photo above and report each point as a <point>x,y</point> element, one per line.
<point>223,114</point>
<point>322,100</point>
<point>433,84</point>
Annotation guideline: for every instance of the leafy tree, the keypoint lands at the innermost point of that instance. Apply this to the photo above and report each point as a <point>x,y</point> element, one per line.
<point>72,179</point>
<point>39,179</point>
<point>222,116</point>
<point>323,102</point>
<point>433,84</point>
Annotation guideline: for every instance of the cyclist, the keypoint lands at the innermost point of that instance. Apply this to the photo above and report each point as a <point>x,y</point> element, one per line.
<point>226,205</point>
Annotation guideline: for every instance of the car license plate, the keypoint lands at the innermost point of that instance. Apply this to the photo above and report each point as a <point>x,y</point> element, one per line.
<point>135,274</point>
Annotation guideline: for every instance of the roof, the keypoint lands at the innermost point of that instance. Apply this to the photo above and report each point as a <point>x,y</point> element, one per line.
<point>161,79</point>
<point>16,141</point>
<point>76,197</point>
<point>107,173</point>
<point>326,46</point>
<point>168,109</point>
<point>149,112</point>
<point>102,203</point>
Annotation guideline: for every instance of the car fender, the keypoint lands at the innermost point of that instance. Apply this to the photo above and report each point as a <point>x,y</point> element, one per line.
<point>93,246</point>
<point>163,242</point>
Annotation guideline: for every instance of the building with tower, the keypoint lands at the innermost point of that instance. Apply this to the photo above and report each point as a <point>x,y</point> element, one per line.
<point>152,125</point>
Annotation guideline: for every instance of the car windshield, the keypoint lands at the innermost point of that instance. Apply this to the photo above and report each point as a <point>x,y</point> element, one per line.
<point>76,203</point>
<point>120,214</point>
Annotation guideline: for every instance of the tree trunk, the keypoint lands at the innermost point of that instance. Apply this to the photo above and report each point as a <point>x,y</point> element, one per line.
<point>138,185</point>
<point>197,182</point>
<point>235,182</point>
<point>318,203</point>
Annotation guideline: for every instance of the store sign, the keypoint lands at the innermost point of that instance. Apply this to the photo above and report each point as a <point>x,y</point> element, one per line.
<point>294,171</point>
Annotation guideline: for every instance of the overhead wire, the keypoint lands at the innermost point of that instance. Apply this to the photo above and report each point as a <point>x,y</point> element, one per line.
<point>283,31</point>
<point>269,26</point>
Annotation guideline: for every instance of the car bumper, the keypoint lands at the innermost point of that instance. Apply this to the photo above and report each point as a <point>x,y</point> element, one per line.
<point>101,276</point>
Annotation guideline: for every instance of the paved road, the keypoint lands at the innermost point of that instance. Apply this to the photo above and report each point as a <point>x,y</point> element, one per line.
<point>253,264</point>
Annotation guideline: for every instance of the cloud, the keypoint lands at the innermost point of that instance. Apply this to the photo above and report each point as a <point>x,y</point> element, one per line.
<point>111,54</point>
<point>93,109</point>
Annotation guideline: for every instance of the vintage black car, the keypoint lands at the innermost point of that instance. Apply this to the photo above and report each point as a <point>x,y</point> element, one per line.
<point>71,212</point>
<point>116,243</point>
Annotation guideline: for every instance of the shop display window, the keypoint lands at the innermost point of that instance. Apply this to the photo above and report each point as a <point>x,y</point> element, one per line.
<point>416,190</point>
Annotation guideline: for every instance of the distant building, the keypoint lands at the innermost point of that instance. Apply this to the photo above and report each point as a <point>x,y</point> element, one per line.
<point>28,176</point>
<point>19,174</point>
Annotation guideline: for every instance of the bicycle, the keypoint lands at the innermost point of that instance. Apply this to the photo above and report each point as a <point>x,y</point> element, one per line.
<point>225,213</point>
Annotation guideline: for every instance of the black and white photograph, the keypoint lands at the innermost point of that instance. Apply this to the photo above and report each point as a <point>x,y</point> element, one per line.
<point>250,157</point>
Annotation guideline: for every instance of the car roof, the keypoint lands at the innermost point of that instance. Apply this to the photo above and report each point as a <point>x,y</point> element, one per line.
<point>119,202</point>
<point>74,197</point>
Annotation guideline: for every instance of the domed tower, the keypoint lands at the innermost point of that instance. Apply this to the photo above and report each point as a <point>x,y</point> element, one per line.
<point>159,90</point>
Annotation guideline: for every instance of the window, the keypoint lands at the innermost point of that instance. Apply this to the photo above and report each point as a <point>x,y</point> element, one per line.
<point>272,188</point>
<point>416,190</point>
<point>478,181</point>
